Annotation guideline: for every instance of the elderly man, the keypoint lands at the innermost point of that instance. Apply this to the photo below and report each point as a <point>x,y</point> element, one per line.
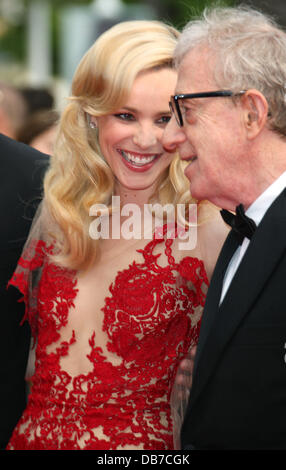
<point>13,110</point>
<point>229,125</point>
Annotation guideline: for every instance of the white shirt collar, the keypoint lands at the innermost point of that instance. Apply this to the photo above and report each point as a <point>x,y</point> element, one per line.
<point>256,211</point>
<point>259,207</point>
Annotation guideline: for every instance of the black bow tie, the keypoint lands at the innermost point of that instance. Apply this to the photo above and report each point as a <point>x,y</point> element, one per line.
<point>242,225</point>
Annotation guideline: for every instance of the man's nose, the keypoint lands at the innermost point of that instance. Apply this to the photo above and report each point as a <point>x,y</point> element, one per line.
<point>173,136</point>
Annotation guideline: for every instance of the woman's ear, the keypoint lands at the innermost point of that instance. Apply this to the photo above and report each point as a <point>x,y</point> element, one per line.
<point>255,112</point>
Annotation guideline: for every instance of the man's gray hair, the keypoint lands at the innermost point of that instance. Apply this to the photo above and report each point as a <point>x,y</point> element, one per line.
<point>249,50</point>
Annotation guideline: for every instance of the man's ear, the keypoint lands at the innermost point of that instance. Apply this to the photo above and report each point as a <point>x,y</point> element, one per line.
<point>255,111</point>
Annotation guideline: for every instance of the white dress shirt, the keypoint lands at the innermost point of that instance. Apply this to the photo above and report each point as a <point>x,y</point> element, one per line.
<point>256,212</point>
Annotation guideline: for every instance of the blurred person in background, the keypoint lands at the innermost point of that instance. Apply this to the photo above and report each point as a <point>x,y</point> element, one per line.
<point>40,130</point>
<point>13,110</point>
<point>112,317</point>
<point>37,98</point>
<point>21,173</point>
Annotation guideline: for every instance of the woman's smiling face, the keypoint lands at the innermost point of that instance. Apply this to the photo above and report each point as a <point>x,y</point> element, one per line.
<point>131,138</point>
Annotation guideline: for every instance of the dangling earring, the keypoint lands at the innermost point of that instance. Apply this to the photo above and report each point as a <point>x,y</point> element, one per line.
<point>91,124</point>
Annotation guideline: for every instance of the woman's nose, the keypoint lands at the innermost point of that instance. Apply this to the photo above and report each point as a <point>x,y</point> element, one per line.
<point>145,137</point>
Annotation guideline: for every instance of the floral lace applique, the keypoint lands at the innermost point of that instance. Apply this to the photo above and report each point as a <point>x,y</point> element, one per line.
<point>151,318</point>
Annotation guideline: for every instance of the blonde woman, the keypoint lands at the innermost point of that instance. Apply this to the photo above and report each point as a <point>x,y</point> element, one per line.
<point>114,301</point>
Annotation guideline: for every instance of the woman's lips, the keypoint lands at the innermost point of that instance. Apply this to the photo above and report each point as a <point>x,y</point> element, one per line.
<point>138,161</point>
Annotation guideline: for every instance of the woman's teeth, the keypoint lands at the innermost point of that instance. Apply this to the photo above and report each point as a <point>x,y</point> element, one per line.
<point>138,161</point>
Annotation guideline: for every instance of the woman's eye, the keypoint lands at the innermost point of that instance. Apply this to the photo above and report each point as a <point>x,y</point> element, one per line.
<point>124,116</point>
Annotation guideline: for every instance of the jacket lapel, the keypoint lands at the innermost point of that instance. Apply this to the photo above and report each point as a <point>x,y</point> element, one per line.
<point>261,257</point>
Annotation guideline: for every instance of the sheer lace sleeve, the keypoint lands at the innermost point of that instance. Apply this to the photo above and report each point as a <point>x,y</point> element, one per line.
<point>28,271</point>
<point>193,276</point>
<point>179,399</point>
<point>212,232</point>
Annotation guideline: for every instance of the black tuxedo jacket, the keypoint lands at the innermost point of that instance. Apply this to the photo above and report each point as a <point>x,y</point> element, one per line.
<point>238,396</point>
<point>21,172</point>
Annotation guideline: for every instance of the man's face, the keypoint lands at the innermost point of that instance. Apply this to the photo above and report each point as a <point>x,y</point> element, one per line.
<point>212,138</point>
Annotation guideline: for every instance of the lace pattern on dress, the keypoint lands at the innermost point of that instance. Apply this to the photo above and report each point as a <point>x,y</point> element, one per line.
<point>151,319</point>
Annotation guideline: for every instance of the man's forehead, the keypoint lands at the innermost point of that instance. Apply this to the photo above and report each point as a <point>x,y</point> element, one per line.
<point>195,72</point>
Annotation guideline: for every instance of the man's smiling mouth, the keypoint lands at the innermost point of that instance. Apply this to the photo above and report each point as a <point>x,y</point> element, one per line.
<point>190,159</point>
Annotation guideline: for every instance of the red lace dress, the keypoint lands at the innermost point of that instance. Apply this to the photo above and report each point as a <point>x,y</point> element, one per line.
<point>150,319</point>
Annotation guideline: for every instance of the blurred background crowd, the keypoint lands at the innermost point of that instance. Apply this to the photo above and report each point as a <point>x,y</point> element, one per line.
<point>42,41</point>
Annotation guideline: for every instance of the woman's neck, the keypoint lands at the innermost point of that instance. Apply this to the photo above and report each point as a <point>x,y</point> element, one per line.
<point>139,197</point>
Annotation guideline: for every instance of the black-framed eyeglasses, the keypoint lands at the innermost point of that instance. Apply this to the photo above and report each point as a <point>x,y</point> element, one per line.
<point>175,106</point>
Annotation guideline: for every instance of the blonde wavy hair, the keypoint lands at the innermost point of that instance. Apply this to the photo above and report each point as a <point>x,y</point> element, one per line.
<point>79,176</point>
